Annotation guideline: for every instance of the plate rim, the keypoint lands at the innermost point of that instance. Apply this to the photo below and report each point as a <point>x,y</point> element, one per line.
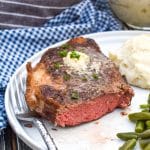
<point>13,122</point>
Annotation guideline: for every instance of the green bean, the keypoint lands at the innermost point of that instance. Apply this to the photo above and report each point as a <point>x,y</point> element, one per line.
<point>147,147</point>
<point>140,126</point>
<point>148,101</point>
<point>143,106</point>
<point>147,124</point>
<point>142,121</point>
<point>147,128</point>
<point>128,145</point>
<point>145,110</point>
<point>144,142</point>
<point>127,135</point>
<point>139,116</point>
<point>145,134</point>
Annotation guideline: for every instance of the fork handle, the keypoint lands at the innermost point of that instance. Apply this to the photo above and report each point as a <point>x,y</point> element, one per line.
<point>45,135</point>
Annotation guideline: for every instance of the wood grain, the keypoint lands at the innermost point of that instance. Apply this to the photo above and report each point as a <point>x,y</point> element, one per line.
<point>9,141</point>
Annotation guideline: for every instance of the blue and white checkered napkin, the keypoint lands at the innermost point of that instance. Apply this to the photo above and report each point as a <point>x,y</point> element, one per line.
<point>17,45</point>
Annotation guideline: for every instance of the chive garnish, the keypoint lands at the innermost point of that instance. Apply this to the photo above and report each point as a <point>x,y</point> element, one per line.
<point>95,76</point>
<point>65,46</point>
<point>56,65</point>
<point>63,53</point>
<point>74,95</point>
<point>84,79</point>
<point>74,54</point>
<point>66,77</point>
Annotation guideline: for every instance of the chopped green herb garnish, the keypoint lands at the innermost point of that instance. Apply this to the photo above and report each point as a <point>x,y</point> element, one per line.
<point>74,95</point>
<point>65,46</point>
<point>74,54</point>
<point>63,53</point>
<point>66,77</point>
<point>57,65</point>
<point>84,79</point>
<point>95,76</point>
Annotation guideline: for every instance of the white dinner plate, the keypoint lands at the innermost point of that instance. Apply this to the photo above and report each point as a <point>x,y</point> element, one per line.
<point>96,135</point>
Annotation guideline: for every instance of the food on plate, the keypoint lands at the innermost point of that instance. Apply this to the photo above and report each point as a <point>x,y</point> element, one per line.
<point>142,128</point>
<point>133,60</point>
<point>139,116</point>
<point>127,135</point>
<point>75,83</point>
<point>128,145</point>
<point>144,144</point>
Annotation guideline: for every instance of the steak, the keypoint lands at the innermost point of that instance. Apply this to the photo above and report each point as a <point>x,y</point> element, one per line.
<point>75,83</point>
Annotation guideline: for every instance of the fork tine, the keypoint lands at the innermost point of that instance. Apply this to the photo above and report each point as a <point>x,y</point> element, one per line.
<point>14,103</point>
<point>18,99</point>
<point>22,87</point>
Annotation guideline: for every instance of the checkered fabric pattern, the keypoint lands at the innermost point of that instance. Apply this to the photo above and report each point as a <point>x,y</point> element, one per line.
<point>17,45</point>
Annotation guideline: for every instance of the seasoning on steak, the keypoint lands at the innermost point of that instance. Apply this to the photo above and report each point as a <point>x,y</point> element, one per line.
<point>75,83</point>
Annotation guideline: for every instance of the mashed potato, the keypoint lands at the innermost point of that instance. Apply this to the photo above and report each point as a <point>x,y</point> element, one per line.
<point>133,60</point>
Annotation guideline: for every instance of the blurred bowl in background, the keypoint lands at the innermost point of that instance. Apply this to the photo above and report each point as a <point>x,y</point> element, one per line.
<point>135,13</point>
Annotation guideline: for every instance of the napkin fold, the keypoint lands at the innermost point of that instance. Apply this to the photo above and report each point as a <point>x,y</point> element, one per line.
<point>17,45</point>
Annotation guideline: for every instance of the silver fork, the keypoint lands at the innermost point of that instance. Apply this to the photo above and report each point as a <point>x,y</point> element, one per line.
<point>23,113</point>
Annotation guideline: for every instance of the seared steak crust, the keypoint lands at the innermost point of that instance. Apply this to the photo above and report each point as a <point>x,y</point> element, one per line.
<point>51,85</point>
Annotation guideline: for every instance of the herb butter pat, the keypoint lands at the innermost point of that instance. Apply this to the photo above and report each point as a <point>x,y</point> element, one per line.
<point>79,64</point>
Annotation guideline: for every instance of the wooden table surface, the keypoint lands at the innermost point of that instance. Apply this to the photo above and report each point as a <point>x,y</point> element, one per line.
<point>9,141</point>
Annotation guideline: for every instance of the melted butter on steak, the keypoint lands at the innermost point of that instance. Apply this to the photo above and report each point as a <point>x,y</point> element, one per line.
<point>84,65</point>
<point>80,64</point>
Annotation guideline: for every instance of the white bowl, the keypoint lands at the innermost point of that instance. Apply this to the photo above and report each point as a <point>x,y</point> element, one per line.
<point>135,13</point>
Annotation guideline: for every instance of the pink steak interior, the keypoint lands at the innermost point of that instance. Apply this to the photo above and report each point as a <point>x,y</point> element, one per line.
<point>88,111</point>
